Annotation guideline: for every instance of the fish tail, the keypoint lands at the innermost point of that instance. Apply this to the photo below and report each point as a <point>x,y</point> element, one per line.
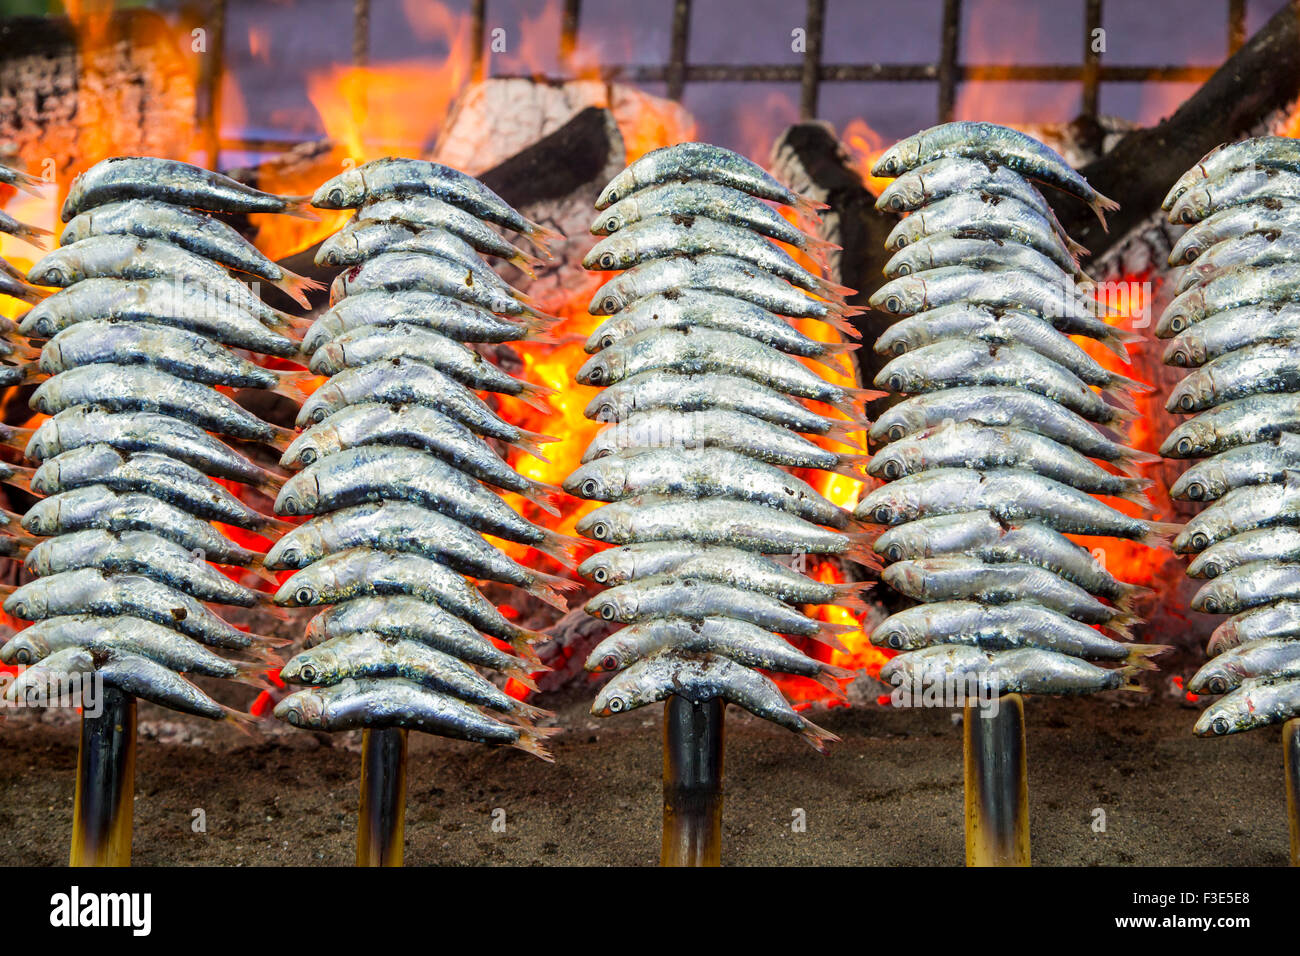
<point>268,641</point>
<point>300,207</point>
<point>1139,655</point>
<point>1129,675</point>
<point>535,400</point>
<point>837,349</point>
<point>1120,626</point>
<point>853,602</point>
<point>1135,493</point>
<point>1102,205</point>
<point>241,720</point>
<point>832,682</point>
<point>1160,534</point>
<point>530,741</point>
<point>523,676</point>
<point>33,235</point>
<point>857,398</point>
<point>851,466</point>
<point>844,432</point>
<point>829,634</point>
<point>817,247</point>
<point>297,287</point>
<point>829,288</point>
<point>859,550</point>
<point>255,674</point>
<point>282,434</point>
<point>259,570</point>
<point>531,712</point>
<point>543,496</point>
<point>17,437</point>
<point>1122,399</point>
<point>807,206</point>
<point>1076,249</point>
<point>270,484</point>
<point>1132,459</point>
<point>559,546</point>
<point>544,588</point>
<point>818,737</point>
<point>21,478</point>
<point>523,647</point>
<point>840,324</point>
<point>274,528</point>
<point>846,590</point>
<point>525,263</point>
<point>30,294</point>
<point>298,384</point>
<point>32,185</point>
<point>542,237</point>
<point>1130,594</point>
<point>531,442</point>
<point>843,309</point>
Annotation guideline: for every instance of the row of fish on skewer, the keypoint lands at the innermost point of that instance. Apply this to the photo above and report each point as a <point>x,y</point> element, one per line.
<point>397,465</point>
<point>703,400</point>
<point>147,324</point>
<point>1235,324</point>
<point>1009,431</point>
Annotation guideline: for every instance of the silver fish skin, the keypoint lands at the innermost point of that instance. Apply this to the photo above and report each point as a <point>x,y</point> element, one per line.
<point>365,655</point>
<point>178,352</point>
<point>958,578</point>
<point>721,274</point>
<point>969,445</point>
<point>1268,151</point>
<point>910,294</point>
<point>701,473</point>
<point>1001,327</point>
<point>1262,544</point>
<point>33,235</point>
<point>960,363</point>
<point>691,308</point>
<point>20,180</point>
<point>47,680</point>
<point>138,552</point>
<point>429,212</point>
<point>698,679</point>
<point>1243,421</point>
<point>992,144</point>
<point>665,595</point>
<point>193,231</point>
<point>125,257</point>
<point>395,702</point>
<point>451,317</point>
<point>701,162</point>
<point>703,351</point>
<point>938,250</point>
<point>363,572</point>
<point>181,305</point>
<point>1265,462</point>
<point>394,473</point>
<point>1234,329</point>
<point>735,524</point>
<point>95,507</point>
<point>935,181</point>
<point>91,591</point>
<point>1265,247</point>
<point>125,388</point>
<point>141,677</point>
<point>1255,370</point>
<point>1234,188</point>
<point>1005,408</point>
<point>1242,509</point>
<point>21,290</point>
<point>1270,659</point>
<point>712,201</point>
<point>362,239</point>
<point>740,569</point>
<point>1008,494</point>
<point>160,476</point>
<point>413,426</point>
<point>1245,286</point>
<point>710,391</point>
<point>396,177</point>
<point>139,432</point>
<point>1272,621</point>
<point>414,271</point>
<point>1024,670</point>
<point>1004,627</point>
<point>400,617</point>
<point>403,526</point>
<point>997,217</point>
<point>1248,586</point>
<point>1255,704</point>
<point>121,178</point>
<point>739,641</point>
<point>367,344</point>
<point>980,535</point>
<point>679,234</point>
<point>1231,222</point>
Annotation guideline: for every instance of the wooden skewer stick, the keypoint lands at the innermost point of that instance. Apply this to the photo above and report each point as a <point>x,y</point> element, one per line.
<point>1291,769</point>
<point>103,812</point>
<point>381,815</point>
<point>997,784</point>
<point>693,745</point>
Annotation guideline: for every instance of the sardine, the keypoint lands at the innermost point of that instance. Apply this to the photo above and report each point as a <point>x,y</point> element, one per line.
<point>1271,659</point>
<point>1264,462</point>
<point>1234,329</point>
<point>1025,670</point>
<point>1248,586</point>
<point>1254,704</point>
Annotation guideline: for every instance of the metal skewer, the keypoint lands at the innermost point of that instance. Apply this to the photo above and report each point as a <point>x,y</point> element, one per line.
<point>997,785</point>
<point>381,815</point>
<point>1291,770</point>
<point>693,745</point>
<point>102,812</point>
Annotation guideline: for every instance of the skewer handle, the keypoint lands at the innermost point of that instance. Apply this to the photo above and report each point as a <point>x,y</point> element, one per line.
<point>1291,770</point>
<point>997,785</point>
<point>103,812</point>
<point>381,816</point>
<point>693,745</point>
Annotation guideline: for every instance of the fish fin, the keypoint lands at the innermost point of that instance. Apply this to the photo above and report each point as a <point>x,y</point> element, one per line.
<point>531,442</point>
<point>844,431</point>
<point>254,674</point>
<point>299,207</point>
<point>1122,399</point>
<point>241,720</point>
<point>1132,384</point>
<point>1139,655</point>
<point>1130,594</point>
<point>840,324</point>
<point>831,682</point>
<point>1102,205</point>
<point>297,385</point>
<point>818,737</point>
<point>297,287</point>
<point>542,495</point>
<point>859,550</point>
<point>282,434</point>
<point>523,676</point>
<point>855,603</point>
<point>530,741</point>
<point>21,478</point>
<point>1136,494</point>
<point>852,466</point>
<point>532,712</point>
<point>828,288</point>
<point>1130,674</point>
<point>259,570</point>
<point>546,588</point>
<point>559,546</point>
<point>1132,459</point>
<point>1076,249</point>
<point>32,185</point>
<point>542,237</point>
<point>32,235</point>
<point>817,247</point>
<point>535,400</point>
<point>30,293</point>
<point>807,206</point>
<point>1160,534</point>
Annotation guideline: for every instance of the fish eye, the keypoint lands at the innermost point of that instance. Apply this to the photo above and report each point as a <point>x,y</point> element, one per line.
<point>600,575</point>
<point>1196,491</point>
<point>590,488</point>
<point>319,415</point>
<point>883,514</point>
<point>1220,726</point>
<point>616,705</point>
<point>609,663</point>
<point>890,165</point>
<point>308,673</point>
<point>1192,252</point>
<point>1189,216</point>
<point>607,261</point>
<point>1178,324</point>
<point>1179,357</point>
<point>1186,403</point>
<point>894,552</point>
<point>896,432</point>
<point>1211,606</point>
<point>904,270</point>
<point>611,224</point>
<point>606,341</point>
<point>304,595</point>
<point>23,656</point>
<point>600,531</point>
<point>1212,569</point>
<point>893,470</point>
<point>1200,541</point>
<point>609,304</point>
<point>607,413</point>
<point>900,348</point>
<point>895,640</point>
<point>55,276</point>
<point>20,610</point>
<point>1184,446</point>
<point>896,382</point>
<point>902,241</point>
<point>893,304</point>
<point>608,612</point>
<point>336,196</point>
<point>290,505</point>
<point>1217,685</point>
<point>596,376</point>
<point>896,202</point>
<point>290,556</point>
<point>307,456</point>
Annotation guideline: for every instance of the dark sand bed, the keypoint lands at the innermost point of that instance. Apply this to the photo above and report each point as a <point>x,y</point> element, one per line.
<point>890,794</point>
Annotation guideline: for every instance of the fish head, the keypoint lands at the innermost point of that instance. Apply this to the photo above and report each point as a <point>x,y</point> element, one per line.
<point>1215,596</point>
<point>612,606</point>
<point>909,260</point>
<point>899,158</point>
<point>604,479</point>
<point>42,518</point>
<point>1204,481</point>
<point>347,190</point>
<point>607,524</point>
<point>45,442</point>
<point>311,446</point>
<point>1192,244</point>
<point>900,544</point>
<point>319,405</point>
<point>613,296</point>
<point>902,373</point>
<point>329,359</point>
<point>1229,715</point>
<point>29,602</point>
<point>42,320</point>
<point>60,268</point>
<point>625,692</point>
<point>1191,439</point>
<point>883,506</point>
<point>611,405</point>
<point>898,422</point>
<point>297,549</point>
<point>902,337</point>
<point>612,654</point>
<point>1217,677</point>
<point>1194,392</point>
<point>906,578</point>
<point>1187,350</point>
<point>24,648</point>
<point>304,708</point>
<point>902,296</point>
<point>905,193</point>
<point>1209,563</point>
<point>1180,314</point>
<point>46,479</point>
<point>620,187</point>
<point>1195,536</point>
<point>51,358</point>
<point>892,633</point>
<point>300,495</point>
<point>76,192</point>
<point>298,591</point>
<point>1185,182</point>
<point>895,461</point>
<point>607,334</point>
<point>601,369</point>
<point>79,227</point>
<point>908,232</point>
<point>618,216</point>
<point>1193,205</point>
<point>611,567</point>
<point>319,665</point>
<point>610,254</point>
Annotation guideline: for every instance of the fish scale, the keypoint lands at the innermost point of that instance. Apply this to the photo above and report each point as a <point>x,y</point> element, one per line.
<point>396,476</point>
<point>993,456</point>
<point>139,339</point>
<point>1234,326</point>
